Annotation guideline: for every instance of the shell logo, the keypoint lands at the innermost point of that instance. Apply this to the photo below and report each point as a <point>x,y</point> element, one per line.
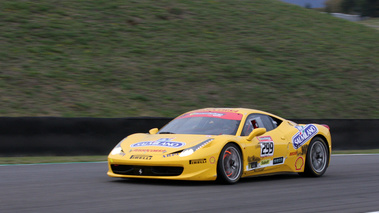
<point>212,160</point>
<point>299,163</point>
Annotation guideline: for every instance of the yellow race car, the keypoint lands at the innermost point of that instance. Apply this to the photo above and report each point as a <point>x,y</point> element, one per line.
<point>223,144</point>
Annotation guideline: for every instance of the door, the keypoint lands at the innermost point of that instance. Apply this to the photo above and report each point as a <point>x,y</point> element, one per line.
<point>265,153</point>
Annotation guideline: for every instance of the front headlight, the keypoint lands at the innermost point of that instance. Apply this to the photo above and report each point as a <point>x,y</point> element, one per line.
<point>191,150</point>
<point>117,150</point>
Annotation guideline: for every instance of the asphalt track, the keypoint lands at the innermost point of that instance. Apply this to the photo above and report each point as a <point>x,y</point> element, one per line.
<point>351,184</point>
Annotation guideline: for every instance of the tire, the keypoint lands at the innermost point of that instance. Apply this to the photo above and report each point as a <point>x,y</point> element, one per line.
<point>229,165</point>
<point>317,159</point>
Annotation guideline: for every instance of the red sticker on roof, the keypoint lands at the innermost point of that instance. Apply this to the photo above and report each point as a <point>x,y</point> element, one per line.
<point>213,114</point>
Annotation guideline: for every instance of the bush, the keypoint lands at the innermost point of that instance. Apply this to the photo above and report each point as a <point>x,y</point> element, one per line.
<point>333,6</point>
<point>350,6</point>
<point>370,8</point>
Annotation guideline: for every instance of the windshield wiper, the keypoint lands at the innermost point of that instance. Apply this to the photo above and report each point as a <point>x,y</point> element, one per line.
<point>166,133</point>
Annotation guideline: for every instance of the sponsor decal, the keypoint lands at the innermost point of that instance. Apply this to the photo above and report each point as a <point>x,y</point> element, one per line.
<point>264,162</point>
<point>257,164</point>
<point>212,160</point>
<point>165,142</point>
<point>259,170</point>
<point>299,163</point>
<point>170,155</point>
<point>267,146</point>
<point>198,161</point>
<point>299,127</point>
<point>293,153</point>
<point>279,160</point>
<point>265,138</point>
<point>141,157</point>
<point>253,158</point>
<point>215,114</point>
<point>303,150</point>
<point>148,150</point>
<point>225,110</point>
<point>305,134</point>
<point>253,165</point>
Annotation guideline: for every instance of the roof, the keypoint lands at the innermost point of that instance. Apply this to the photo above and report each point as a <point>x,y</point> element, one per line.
<point>244,111</point>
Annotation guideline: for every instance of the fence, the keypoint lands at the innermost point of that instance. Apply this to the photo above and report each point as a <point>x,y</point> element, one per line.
<point>28,136</point>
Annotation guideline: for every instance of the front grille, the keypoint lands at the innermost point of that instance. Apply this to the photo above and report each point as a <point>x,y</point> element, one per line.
<point>146,170</point>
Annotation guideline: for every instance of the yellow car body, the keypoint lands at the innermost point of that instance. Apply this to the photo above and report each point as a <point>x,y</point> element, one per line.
<point>264,149</point>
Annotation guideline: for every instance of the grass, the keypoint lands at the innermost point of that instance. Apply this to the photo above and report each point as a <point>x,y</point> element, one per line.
<point>162,58</point>
<point>371,22</point>
<point>99,158</point>
<point>367,151</point>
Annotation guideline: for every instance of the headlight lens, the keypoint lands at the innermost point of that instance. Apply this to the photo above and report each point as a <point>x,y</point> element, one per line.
<point>191,150</point>
<point>117,150</point>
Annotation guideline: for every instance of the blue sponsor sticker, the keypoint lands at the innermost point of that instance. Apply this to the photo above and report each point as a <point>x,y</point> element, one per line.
<point>305,134</point>
<point>164,142</point>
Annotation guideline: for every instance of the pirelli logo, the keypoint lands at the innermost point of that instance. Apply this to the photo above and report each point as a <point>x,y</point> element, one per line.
<point>198,161</point>
<point>141,157</point>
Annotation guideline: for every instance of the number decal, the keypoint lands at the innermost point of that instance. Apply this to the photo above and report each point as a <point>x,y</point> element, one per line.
<point>267,149</point>
<point>267,146</point>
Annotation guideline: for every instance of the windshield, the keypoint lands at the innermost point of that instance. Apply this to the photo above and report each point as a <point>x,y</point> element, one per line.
<point>204,123</point>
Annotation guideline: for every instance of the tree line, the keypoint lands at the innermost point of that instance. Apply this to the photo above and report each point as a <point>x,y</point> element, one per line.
<point>359,7</point>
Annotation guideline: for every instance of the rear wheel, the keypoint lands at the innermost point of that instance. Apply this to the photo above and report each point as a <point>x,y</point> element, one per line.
<point>317,158</point>
<point>229,166</point>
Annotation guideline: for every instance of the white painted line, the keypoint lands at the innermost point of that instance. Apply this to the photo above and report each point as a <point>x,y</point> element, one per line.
<point>33,164</point>
<point>352,155</point>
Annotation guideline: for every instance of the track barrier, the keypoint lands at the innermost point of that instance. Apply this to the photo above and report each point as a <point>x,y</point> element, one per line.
<point>39,136</point>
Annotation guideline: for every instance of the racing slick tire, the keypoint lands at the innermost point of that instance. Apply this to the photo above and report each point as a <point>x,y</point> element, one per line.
<point>229,165</point>
<point>317,159</point>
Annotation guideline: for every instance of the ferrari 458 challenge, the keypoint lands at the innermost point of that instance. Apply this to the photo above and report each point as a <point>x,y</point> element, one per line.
<point>223,144</point>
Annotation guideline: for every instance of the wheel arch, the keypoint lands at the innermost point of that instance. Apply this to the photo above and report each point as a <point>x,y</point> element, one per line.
<point>309,169</point>
<point>239,148</point>
<point>326,141</point>
<point>328,145</point>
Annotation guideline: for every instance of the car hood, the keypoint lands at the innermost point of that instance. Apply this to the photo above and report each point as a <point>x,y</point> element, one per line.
<point>161,143</point>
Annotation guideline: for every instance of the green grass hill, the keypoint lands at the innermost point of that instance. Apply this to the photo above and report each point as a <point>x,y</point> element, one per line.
<point>161,58</point>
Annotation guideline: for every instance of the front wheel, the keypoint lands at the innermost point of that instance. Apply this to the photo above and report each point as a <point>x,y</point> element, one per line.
<point>317,160</point>
<point>229,166</point>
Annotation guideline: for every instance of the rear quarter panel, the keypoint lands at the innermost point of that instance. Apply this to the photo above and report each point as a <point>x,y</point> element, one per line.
<point>297,153</point>
<point>295,156</point>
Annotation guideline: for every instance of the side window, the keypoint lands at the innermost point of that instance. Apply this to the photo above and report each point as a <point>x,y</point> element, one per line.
<point>267,122</point>
<point>258,121</point>
<point>276,122</point>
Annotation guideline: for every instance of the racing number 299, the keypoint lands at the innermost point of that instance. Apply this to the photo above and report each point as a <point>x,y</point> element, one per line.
<point>267,149</point>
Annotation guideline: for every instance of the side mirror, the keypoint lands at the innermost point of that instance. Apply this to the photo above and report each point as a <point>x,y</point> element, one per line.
<point>153,131</point>
<point>256,132</point>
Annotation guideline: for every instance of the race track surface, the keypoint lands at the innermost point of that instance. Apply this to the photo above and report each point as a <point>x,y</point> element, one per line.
<point>351,184</point>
